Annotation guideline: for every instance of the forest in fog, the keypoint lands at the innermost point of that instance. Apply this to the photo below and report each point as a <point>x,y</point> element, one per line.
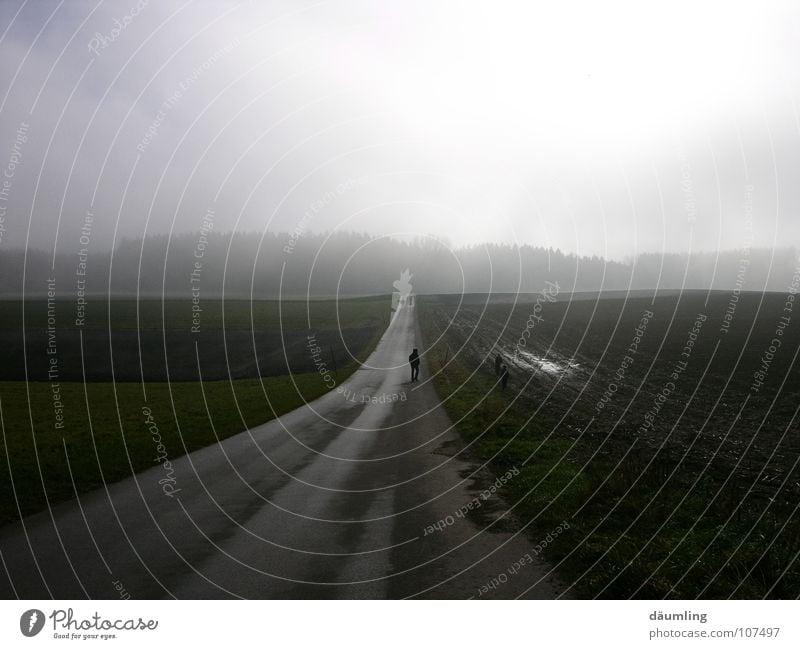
<point>353,264</point>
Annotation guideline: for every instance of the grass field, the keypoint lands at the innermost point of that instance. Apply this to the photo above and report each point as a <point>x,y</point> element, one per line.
<point>105,436</point>
<point>121,314</point>
<point>236,339</point>
<point>676,469</point>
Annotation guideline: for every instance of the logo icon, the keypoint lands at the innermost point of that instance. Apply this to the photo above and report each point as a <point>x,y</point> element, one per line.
<point>31,622</point>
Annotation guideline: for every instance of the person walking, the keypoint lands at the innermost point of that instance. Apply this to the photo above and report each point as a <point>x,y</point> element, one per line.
<point>413,360</point>
<point>503,376</point>
<point>498,362</point>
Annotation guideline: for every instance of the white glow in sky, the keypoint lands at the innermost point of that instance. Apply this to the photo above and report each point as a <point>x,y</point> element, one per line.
<point>585,126</point>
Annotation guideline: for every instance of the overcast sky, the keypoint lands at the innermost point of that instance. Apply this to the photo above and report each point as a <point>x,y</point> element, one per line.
<point>597,128</point>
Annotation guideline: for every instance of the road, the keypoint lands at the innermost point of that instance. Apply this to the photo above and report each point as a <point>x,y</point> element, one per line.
<point>346,497</point>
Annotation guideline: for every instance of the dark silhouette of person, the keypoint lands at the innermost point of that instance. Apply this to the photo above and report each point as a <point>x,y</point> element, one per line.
<point>413,359</point>
<point>503,376</point>
<point>498,362</point>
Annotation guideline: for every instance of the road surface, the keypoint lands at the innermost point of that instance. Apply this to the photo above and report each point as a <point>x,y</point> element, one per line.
<point>350,496</point>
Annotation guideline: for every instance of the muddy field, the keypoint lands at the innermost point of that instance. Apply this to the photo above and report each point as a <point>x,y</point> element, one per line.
<point>661,373</point>
<point>674,416</point>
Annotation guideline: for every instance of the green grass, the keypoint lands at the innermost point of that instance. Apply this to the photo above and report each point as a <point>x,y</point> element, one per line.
<point>635,531</point>
<point>105,437</point>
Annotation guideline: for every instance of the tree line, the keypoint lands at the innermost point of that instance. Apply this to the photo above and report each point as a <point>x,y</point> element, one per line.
<point>355,264</point>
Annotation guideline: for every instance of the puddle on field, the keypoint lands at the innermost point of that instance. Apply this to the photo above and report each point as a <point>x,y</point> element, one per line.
<point>550,366</point>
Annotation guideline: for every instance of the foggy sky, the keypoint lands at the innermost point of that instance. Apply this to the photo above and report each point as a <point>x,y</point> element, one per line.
<point>608,130</point>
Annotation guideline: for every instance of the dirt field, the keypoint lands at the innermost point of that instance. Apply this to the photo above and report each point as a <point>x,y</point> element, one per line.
<point>671,422</point>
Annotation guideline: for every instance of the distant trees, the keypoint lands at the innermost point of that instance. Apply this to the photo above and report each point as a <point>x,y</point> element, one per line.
<point>357,264</point>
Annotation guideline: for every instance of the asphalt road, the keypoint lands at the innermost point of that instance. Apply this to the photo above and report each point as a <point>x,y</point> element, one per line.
<point>352,496</point>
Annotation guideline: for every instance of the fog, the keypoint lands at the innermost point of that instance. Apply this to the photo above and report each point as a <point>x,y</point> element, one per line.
<point>609,130</point>
<point>346,264</point>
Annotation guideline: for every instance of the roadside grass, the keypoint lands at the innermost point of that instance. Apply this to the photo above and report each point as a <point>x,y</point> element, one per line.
<point>673,529</point>
<point>105,437</point>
